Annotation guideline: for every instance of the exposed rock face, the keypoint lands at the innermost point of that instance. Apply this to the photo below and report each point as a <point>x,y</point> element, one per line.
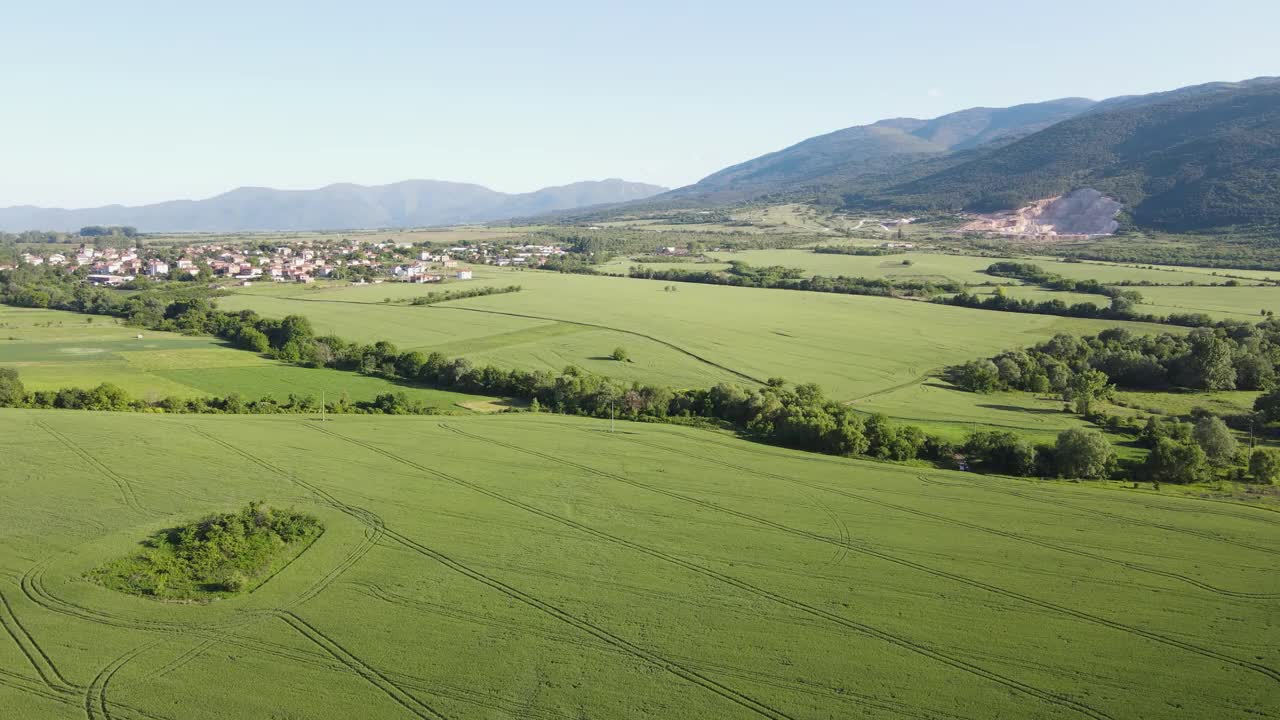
<point>1083,212</point>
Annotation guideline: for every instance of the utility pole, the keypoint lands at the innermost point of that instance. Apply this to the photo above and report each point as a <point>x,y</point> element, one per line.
<point>322,406</point>
<point>610,414</point>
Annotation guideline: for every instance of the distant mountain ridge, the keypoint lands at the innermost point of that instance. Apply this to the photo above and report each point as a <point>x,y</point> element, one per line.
<point>412,203</point>
<point>1196,157</point>
<point>851,151</point>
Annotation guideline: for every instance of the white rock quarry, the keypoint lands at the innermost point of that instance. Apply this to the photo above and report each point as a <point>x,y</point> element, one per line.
<point>1083,212</point>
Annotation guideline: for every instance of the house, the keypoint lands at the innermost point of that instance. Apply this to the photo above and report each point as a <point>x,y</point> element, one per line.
<point>157,267</point>
<point>109,280</point>
<point>463,274</point>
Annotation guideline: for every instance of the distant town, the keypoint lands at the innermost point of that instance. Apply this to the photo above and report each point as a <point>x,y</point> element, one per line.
<point>302,261</point>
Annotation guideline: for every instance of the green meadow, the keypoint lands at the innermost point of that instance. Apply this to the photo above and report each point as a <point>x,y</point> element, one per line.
<point>694,336</point>
<point>530,566</point>
<point>53,349</point>
<point>1221,303</point>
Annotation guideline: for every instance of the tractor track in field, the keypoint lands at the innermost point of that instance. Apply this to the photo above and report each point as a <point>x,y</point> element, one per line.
<point>36,655</point>
<point>968,525</point>
<point>27,685</point>
<point>361,668</point>
<point>778,681</point>
<point>1126,519</point>
<point>673,346</point>
<point>374,526</point>
<point>581,624</point>
<point>96,706</point>
<point>442,306</point>
<point>127,493</point>
<point>1269,672</point>
<point>970,484</point>
<point>862,628</point>
<point>365,516</point>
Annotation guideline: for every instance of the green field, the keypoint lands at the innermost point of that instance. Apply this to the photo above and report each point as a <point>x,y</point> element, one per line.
<point>526,566</point>
<point>53,349</point>
<point>1220,303</point>
<point>694,337</point>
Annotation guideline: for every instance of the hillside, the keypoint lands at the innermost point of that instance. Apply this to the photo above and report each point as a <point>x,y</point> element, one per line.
<point>1192,162</point>
<point>412,203</point>
<point>867,149</point>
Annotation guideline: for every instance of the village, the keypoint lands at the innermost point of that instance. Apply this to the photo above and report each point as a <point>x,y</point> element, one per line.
<point>302,261</point>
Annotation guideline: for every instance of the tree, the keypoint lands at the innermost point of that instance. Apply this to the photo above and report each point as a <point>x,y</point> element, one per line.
<point>1264,465</point>
<point>1268,406</point>
<point>12,392</point>
<point>1083,454</point>
<point>979,376</point>
<point>1210,362</point>
<point>1175,462</point>
<point>1086,387</point>
<point>1213,436</point>
<point>620,354</point>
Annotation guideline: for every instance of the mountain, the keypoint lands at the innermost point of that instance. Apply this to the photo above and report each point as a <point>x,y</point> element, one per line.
<point>844,155</point>
<point>1180,161</point>
<point>1195,157</point>
<point>412,203</point>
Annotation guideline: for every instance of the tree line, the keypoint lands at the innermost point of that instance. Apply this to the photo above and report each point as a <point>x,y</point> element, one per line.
<point>741,274</point>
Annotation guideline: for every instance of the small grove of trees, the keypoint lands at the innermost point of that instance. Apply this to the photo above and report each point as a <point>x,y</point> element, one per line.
<point>223,553</point>
<point>1236,356</point>
<point>1077,453</point>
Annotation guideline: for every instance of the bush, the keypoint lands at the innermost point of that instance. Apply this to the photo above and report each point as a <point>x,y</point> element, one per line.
<point>1172,461</point>
<point>12,392</point>
<point>1083,454</point>
<point>1264,465</point>
<point>220,554</point>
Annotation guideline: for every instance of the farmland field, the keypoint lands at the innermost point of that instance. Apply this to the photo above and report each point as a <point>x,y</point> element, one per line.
<point>694,337</point>
<point>539,567</point>
<point>1220,303</point>
<point>52,349</point>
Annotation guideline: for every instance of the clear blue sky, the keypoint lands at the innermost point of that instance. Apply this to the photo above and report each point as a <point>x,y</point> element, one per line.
<point>143,101</point>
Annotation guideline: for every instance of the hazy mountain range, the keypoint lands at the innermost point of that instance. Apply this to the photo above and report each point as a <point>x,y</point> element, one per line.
<point>412,203</point>
<point>1197,157</point>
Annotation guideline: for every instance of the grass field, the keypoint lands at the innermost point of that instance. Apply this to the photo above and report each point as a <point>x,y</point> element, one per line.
<point>1221,303</point>
<point>539,567</point>
<point>52,349</point>
<point>694,337</point>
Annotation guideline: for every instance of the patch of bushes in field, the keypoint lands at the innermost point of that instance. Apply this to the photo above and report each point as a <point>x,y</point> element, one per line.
<point>432,298</point>
<point>220,555</point>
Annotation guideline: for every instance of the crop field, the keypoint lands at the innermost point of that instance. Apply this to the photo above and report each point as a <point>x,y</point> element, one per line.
<point>53,349</point>
<point>1220,303</point>
<point>952,413</point>
<point>904,266</point>
<point>528,566</point>
<point>694,337</point>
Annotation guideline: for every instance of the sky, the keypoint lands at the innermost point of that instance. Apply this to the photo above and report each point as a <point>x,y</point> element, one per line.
<point>136,102</point>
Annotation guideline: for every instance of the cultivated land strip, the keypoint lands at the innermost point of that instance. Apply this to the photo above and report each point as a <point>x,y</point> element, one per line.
<point>443,306</point>
<point>964,524</point>
<point>675,668</point>
<point>359,667</point>
<point>122,484</point>
<point>1269,672</point>
<point>862,628</point>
